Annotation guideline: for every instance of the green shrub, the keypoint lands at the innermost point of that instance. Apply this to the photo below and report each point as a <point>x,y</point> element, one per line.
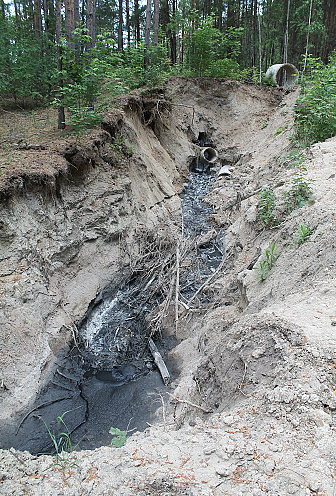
<point>266,207</point>
<point>301,235</point>
<point>301,190</point>
<point>315,109</point>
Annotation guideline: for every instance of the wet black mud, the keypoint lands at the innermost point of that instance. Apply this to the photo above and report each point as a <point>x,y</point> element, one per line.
<point>108,378</point>
<point>197,222</point>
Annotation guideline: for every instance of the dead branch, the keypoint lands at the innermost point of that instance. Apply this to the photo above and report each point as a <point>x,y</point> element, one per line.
<point>177,286</point>
<point>61,386</point>
<point>159,362</point>
<point>178,400</point>
<point>219,268</point>
<point>240,198</point>
<point>47,403</point>
<point>66,377</point>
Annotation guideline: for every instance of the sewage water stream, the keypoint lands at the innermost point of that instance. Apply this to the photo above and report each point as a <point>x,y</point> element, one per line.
<point>112,387</point>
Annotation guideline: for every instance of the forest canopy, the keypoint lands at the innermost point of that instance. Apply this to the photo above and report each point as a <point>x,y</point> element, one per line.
<point>68,52</point>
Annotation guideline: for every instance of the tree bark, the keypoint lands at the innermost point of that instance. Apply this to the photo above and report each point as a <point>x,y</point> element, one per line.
<point>46,17</point>
<point>76,14</point>
<point>147,33</point>
<point>83,12</point>
<point>3,9</point>
<point>286,35</point>
<point>136,21</point>
<point>17,18</point>
<point>128,27</point>
<point>307,44</point>
<point>69,19</point>
<point>173,39</point>
<point>120,27</point>
<point>329,20</point>
<point>61,116</point>
<point>51,24</point>
<point>91,21</point>
<point>156,23</point>
<point>37,18</point>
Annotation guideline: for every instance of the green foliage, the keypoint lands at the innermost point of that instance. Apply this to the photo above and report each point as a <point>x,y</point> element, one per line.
<point>119,438</point>
<point>26,63</point>
<point>315,109</point>
<point>263,270</point>
<point>211,52</point>
<point>280,130</point>
<point>250,75</point>
<point>301,235</point>
<point>301,190</point>
<point>61,440</point>
<point>271,255</point>
<point>266,207</point>
<point>266,264</point>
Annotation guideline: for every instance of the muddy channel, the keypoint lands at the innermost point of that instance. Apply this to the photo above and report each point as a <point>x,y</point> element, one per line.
<point>109,378</point>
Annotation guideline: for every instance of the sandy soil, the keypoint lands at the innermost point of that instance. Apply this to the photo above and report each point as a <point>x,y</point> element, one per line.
<point>261,357</point>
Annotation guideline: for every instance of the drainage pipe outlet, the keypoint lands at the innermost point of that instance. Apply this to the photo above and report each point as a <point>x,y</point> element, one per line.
<point>209,155</point>
<point>281,75</point>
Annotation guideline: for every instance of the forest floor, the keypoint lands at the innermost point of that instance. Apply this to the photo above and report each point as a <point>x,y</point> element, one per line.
<point>252,411</point>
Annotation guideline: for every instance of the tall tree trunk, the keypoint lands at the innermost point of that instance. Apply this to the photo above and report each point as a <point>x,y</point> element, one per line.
<point>61,116</point>
<point>307,44</point>
<point>69,19</point>
<point>91,21</point>
<point>120,27</point>
<point>3,9</point>
<point>51,26</point>
<point>83,12</point>
<point>286,35</point>
<point>231,13</point>
<point>37,19</point>
<point>136,21</point>
<point>24,7</point>
<point>147,33</point>
<point>76,14</point>
<point>173,38</point>
<point>329,20</point>
<point>128,27</point>
<point>46,18</point>
<point>156,23</point>
<point>17,17</point>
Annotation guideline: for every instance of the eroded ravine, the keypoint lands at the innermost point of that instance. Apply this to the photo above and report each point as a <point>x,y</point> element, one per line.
<point>109,378</point>
<point>72,242</point>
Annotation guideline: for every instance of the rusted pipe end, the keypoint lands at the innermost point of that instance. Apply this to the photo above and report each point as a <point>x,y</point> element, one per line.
<point>209,155</point>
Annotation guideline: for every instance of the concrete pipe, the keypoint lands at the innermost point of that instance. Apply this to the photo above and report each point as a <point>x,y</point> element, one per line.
<point>282,75</point>
<point>209,155</point>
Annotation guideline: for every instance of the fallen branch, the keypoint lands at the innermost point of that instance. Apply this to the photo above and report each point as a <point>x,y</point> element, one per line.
<point>177,286</point>
<point>47,403</point>
<point>238,388</point>
<point>219,268</point>
<point>159,362</point>
<point>178,400</point>
<point>240,198</point>
<point>61,386</point>
<point>66,377</point>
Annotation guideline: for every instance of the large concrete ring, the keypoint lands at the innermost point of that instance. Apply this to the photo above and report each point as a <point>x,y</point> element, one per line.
<point>282,78</point>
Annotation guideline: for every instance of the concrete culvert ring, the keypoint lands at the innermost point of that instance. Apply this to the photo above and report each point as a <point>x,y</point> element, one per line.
<point>282,75</point>
<point>209,155</point>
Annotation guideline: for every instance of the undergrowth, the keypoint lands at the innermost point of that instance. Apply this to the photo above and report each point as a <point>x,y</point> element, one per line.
<point>266,264</point>
<point>266,207</point>
<point>62,442</point>
<point>301,235</point>
<point>301,190</point>
<point>315,109</point>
